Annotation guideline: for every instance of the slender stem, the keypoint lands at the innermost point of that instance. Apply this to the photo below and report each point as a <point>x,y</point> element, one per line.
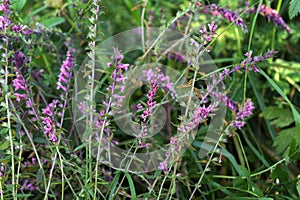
<point>50,177</point>
<point>1,189</point>
<point>32,144</point>
<point>206,166</point>
<point>274,28</point>
<point>243,152</point>
<point>92,98</point>
<point>238,149</point>
<point>11,140</point>
<point>249,46</point>
<point>62,175</point>
<point>19,164</point>
<point>142,24</point>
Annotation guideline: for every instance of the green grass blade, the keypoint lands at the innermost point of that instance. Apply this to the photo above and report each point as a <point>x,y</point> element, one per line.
<point>131,186</point>
<point>262,106</point>
<point>114,184</point>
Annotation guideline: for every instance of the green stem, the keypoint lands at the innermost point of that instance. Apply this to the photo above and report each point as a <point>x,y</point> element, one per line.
<point>238,149</point>
<point>274,28</point>
<point>11,141</point>
<point>249,45</point>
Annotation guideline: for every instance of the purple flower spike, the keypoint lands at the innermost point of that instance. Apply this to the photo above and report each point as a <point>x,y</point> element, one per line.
<point>238,124</point>
<point>19,83</point>
<point>273,16</point>
<point>65,73</point>
<point>164,166</point>
<point>48,121</point>
<point>4,20</point>
<point>226,14</point>
<point>246,111</point>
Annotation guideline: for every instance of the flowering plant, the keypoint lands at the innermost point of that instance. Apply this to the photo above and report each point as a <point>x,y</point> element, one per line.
<point>151,112</point>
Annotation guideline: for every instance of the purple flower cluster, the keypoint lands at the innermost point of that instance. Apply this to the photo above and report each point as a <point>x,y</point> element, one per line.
<point>23,29</point>
<point>226,100</point>
<point>249,61</point>
<point>150,103</point>
<point>272,15</point>
<point>31,111</point>
<point>163,166</point>
<point>199,115</point>
<point>209,35</point>
<point>244,112</point>
<point>147,112</point>
<point>156,79</point>
<point>4,20</point>
<point>252,61</point>
<point>28,185</point>
<point>226,14</point>
<point>19,82</point>
<point>117,77</point>
<point>48,121</point>
<point>19,85</point>
<point>65,73</point>
<point>161,80</point>
<point>205,37</point>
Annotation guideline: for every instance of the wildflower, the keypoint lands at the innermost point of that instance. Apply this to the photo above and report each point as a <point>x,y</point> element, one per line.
<point>164,166</point>
<point>272,15</point>
<point>49,128</point>
<point>19,83</point>
<point>238,124</point>
<point>226,14</point>
<point>207,36</point>
<point>226,100</point>
<point>252,61</point>
<point>65,72</point>
<point>161,80</point>
<point>4,20</point>
<point>48,121</point>
<point>28,185</point>
<point>23,29</point>
<point>246,111</point>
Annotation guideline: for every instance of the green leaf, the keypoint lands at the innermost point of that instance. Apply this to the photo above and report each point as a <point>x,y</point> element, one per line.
<point>298,188</point>
<point>280,117</point>
<point>52,21</point>
<point>41,140</point>
<point>131,186</point>
<point>39,176</point>
<point>280,173</point>
<point>24,195</point>
<point>114,184</point>
<point>284,139</point>
<point>294,8</point>
<point>17,4</point>
<point>4,145</point>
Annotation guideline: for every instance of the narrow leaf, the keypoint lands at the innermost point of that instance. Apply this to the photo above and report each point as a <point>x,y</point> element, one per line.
<point>131,186</point>
<point>52,21</point>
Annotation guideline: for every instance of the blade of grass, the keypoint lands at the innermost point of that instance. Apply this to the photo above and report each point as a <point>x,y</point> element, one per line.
<point>254,150</point>
<point>114,184</point>
<point>131,186</point>
<point>262,107</point>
